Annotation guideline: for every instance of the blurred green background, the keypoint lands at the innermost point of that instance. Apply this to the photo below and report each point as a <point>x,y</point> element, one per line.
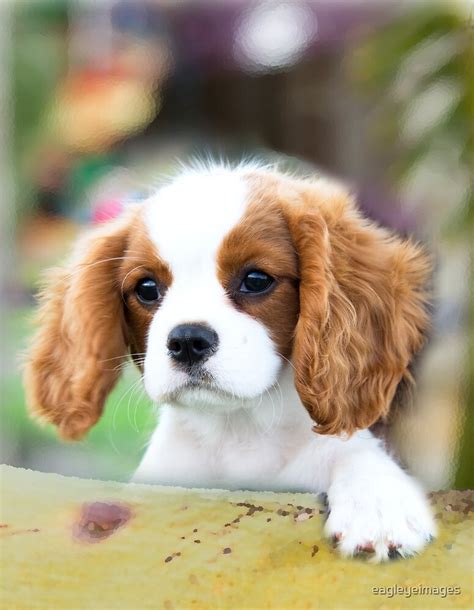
<point>101,99</point>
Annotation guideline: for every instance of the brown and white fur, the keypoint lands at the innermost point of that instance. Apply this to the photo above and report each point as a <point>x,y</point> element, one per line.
<point>297,373</point>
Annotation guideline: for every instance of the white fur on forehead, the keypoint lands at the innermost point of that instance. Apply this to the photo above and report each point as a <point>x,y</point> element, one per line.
<point>193,213</point>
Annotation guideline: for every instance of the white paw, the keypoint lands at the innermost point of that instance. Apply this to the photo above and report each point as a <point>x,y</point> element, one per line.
<point>385,515</point>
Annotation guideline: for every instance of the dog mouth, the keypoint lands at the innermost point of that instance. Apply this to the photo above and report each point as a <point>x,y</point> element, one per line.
<point>199,387</point>
<point>200,378</point>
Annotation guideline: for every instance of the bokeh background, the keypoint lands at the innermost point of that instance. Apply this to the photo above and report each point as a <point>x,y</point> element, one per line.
<point>100,99</point>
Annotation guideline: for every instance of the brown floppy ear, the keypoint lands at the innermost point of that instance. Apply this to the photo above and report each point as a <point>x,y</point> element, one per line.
<point>362,310</point>
<point>74,358</point>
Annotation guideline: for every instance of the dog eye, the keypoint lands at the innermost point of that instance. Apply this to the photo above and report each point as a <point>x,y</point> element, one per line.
<point>256,281</point>
<point>147,291</point>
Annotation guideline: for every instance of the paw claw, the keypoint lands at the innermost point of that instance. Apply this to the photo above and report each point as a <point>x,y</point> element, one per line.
<point>393,552</point>
<point>336,538</point>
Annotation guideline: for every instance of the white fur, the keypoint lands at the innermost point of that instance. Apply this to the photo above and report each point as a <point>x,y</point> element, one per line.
<point>252,432</point>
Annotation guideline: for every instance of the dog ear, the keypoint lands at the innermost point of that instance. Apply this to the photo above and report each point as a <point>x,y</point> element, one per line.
<point>362,310</point>
<point>75,356</point>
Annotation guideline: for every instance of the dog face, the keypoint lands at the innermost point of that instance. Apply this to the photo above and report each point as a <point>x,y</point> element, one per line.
<point>223,313</point>
<point>213,285</point>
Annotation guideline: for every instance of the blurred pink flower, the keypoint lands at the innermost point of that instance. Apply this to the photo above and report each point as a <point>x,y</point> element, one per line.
<point>106,210</point>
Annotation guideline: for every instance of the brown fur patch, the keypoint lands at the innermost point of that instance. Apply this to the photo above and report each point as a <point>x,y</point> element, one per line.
<point>262,241</point>
<point>141,260</point>
<point>83,335</point>
<point>362,303</point>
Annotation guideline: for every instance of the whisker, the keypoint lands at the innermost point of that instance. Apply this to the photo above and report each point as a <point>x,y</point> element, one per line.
<point>289,362</point>
<point>111,441</point>
<point>120,367</point>
<point>114,421</point>
<point>266,430</point>
<point>118,357</point>
<point>81,266</point>
<point>124,279</point>
<point>282,406</point>
<point>140,397</point>
<point>139,387</point>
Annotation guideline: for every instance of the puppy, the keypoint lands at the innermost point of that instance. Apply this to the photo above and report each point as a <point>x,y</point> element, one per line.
<point>272,324</point>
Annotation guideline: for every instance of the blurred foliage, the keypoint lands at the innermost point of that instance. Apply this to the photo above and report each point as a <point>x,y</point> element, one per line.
<point>39,58</point>
<point>465,474</point>
<point>430,48</point>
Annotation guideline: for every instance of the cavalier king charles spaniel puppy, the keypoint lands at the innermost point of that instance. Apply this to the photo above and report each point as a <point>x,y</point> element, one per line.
<point>271,322</point>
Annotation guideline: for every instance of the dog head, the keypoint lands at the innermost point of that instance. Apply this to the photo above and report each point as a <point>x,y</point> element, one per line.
<point>218,281</point>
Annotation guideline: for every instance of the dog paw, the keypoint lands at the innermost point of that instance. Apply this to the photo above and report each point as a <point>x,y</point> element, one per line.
<point>386,517</point>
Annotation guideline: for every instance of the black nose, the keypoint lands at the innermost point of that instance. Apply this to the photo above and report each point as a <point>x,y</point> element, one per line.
<point>192,343</point>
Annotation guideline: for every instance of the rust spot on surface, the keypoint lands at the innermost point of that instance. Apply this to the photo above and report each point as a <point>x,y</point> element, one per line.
<point>227,550</point>
<point>99,520</point>
<point>171,557</point>
<point>19,532</point>
<point>314,550</point>
<point>302,516</point>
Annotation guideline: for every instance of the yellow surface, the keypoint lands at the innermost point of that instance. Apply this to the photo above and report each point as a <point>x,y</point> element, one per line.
<point>206,549</point>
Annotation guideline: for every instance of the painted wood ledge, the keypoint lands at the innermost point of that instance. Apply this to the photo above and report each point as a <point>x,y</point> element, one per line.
<point>70,543</point>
